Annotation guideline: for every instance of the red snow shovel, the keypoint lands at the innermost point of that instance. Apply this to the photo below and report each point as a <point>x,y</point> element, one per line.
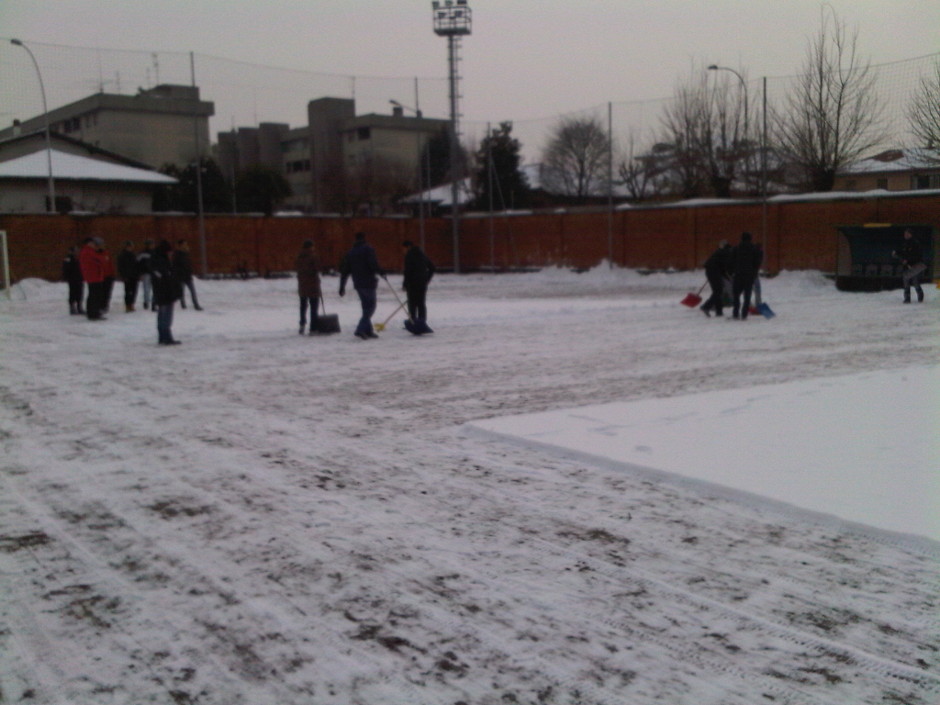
<point>692,300</point>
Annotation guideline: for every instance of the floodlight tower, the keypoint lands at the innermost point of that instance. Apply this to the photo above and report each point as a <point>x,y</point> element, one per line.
<point>452,19</point>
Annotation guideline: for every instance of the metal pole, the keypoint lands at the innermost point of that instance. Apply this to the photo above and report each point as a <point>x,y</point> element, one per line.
<point>6,264</point>
<point>200,212</point>
<point>454,187</point>
<point>763,167</point>
<point>489,186</point>
<point>45,119</point>
<point>610,185</point>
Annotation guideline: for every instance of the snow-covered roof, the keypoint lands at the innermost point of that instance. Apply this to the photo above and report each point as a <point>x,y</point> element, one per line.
<point>73,166</point>
<point>441,195</point>
<point>895,160</point>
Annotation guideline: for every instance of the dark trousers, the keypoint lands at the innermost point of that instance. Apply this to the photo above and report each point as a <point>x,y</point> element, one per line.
<point>716,301</point>
<point>367,298</point>
<point>165,323</point>
<point>742,285</point>
<point>96,300</point>
<point>417,306</point>
<point>130,292</point>
<point>310,301</point>
<point>76,292</point>
<point>188,284</point>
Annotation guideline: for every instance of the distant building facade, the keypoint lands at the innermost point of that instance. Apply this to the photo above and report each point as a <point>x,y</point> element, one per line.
<point>158,126</point>
<point>338,161</point>
<point>892,170</point>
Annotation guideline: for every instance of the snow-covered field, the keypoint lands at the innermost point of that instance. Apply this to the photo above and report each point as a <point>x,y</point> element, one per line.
<point>262,518</point>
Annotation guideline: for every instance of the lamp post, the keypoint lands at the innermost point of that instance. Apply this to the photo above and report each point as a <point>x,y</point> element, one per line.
<point>45,119</point>
<point>452,19</point>
<point>715,67</point>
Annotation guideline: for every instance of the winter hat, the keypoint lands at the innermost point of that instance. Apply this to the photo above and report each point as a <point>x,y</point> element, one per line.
<point>308,244</point>
<point>745,237</point>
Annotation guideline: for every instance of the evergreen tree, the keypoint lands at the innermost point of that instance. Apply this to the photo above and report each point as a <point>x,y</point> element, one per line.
<point>261,189</point>
<point>499,181</point>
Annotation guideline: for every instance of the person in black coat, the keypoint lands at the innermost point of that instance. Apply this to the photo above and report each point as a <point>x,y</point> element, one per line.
<point>166,291</point>
<point>361,264</point>
<point>129,271</point>
<point>717,270</point>
<point>418,270</point>
<point>911,255</point>
<point>745,265</point>
<point>72,273</point>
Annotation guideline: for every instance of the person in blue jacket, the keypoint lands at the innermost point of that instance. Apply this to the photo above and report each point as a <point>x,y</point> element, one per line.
<point>361,264</point>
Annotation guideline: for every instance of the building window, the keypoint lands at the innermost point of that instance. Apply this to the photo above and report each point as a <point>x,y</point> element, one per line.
<point>882,184</point>
<point>363,133</point>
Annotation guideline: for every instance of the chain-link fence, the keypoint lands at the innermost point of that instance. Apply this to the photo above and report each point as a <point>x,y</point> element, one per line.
<point>248,94</point>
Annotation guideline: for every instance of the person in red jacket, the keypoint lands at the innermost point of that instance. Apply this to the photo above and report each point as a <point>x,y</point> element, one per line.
<point>93,265</point>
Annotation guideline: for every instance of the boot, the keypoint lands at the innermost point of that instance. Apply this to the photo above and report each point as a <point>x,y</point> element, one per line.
<point>128,308</point>
<point>73,309</point>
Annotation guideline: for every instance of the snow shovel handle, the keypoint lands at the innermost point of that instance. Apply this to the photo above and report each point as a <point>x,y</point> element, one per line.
<point>402,303</point>
<point>391,315</point>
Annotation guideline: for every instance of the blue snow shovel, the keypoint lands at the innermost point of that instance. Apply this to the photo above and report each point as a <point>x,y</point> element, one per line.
<point>765,311</point>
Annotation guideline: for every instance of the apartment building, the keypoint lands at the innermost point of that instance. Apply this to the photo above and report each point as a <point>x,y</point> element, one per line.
<point>158,126</point>
<point>339,160</point>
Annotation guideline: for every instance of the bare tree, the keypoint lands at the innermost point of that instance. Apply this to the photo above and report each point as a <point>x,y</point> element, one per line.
<point>682,122</point>
<point>833,114</point>
<point>924,110</point>
<point>704,125</point>
<point>575,161</point>
<point>638,170</point>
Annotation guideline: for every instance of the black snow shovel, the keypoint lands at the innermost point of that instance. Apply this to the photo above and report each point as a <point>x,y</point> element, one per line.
<point>327,323</point>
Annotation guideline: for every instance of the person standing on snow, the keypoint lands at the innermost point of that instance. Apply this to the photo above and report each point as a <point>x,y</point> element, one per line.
<point>418,271</point>
<point>308,285</point>
<point>91,259</point>
<point>143,265</point>
<point>72,273</point>
<point>130,275</point>
<point>717,270</point>
<point>362,265</point>
<point>745,264</point>
<point>183,265</point>
<point>166,291</point>
<point>911,255</point>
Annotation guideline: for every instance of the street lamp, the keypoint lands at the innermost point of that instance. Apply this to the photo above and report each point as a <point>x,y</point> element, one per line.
<point>715,67</point>
<point>452,19</point>
<point>45,118</point>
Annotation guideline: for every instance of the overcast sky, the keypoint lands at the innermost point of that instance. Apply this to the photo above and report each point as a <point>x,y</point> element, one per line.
<point>525,58</point>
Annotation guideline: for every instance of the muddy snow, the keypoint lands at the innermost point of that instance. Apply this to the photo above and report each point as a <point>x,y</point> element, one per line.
<point>265,518</point>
